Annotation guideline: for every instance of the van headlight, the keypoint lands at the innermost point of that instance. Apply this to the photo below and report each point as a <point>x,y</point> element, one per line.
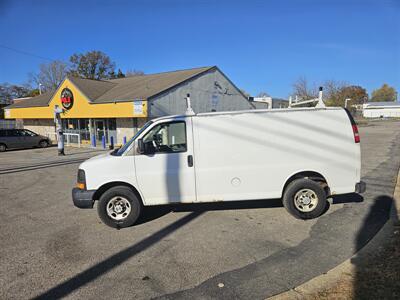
<point>81,180</point>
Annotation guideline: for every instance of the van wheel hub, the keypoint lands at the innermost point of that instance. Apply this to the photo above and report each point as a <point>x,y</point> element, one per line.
<point>118,208</point>
<point>305,200</point>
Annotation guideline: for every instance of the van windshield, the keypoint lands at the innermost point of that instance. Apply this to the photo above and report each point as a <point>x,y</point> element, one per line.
<point>120,151</point>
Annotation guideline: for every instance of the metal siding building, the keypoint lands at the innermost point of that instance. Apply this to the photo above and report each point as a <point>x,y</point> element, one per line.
<point>381,110</point>
<point>210,91</point>
<point>268,102</point>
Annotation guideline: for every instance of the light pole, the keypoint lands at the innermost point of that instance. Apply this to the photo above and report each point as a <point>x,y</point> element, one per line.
<point>60,136</point>
<point>345,102</point>
<point>40,88</point>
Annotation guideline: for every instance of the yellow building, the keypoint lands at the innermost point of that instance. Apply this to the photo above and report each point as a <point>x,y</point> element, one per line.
<point>93,109</point>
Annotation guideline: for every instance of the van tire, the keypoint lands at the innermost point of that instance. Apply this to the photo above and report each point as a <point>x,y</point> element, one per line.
<point>111,199</point>
<point>312,192</point>
<point>3,147</point>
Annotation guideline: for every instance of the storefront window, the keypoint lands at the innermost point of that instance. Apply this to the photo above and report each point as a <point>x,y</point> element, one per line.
<point>112,124</point>
<point>77,126</point>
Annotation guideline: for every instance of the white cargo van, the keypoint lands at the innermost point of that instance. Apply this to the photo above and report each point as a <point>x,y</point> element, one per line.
<point>301,155</point>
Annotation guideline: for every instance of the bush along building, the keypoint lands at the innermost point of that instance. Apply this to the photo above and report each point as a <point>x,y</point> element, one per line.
<point>117,108</point>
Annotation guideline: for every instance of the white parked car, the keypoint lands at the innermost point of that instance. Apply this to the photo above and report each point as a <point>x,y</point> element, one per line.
<point>301,155</point>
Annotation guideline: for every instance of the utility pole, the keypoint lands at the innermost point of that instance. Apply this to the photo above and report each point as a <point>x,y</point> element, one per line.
<point>60,136</point>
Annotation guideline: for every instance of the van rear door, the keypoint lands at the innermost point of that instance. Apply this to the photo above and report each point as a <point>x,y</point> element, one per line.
<point>167,175</point>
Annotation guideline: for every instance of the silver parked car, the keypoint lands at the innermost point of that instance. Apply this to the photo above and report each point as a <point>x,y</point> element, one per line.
<point>21,138</point>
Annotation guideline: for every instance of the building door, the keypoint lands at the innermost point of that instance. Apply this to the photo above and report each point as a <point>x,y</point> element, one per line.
<point>100,129</point>
<point>167,175</point>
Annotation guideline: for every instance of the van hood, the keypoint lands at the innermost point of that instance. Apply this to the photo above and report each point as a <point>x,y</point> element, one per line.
<point>101,158</point>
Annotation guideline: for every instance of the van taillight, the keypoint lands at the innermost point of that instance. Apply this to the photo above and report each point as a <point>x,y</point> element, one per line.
<point>354,126</point>
<point>356,134</point>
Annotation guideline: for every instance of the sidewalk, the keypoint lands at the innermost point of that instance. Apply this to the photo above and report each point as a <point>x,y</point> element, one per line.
<point>372,273</point>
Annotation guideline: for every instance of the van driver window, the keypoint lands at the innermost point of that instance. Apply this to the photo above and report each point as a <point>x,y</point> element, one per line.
<point>167,137</point>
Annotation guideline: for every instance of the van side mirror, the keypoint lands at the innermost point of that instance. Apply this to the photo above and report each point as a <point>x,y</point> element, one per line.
<point>146,148</point>
<point>140,146</point>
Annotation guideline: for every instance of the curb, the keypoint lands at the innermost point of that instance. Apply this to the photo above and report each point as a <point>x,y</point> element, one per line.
<point>346,268</point>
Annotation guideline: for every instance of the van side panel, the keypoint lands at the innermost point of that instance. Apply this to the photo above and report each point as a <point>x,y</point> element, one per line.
<point>251,155</point>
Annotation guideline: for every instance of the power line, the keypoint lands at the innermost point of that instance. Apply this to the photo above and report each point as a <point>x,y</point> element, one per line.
<point>25,53</point>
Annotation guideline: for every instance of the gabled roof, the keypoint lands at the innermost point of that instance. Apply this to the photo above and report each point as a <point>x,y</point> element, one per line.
<point>122,89</point>
<point>92,89</point>
<point>147,86</point>
<point>41,100</point>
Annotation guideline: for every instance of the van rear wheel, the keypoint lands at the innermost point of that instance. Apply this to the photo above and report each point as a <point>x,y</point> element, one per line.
<point>2,147</point>
<point>304,199</point>
<point>119,207</point>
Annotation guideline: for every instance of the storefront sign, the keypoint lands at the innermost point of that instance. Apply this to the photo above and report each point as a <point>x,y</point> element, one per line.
<point>67,98</point>
<point>138,107</point>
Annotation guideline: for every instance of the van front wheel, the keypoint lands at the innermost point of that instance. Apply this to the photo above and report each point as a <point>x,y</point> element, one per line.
<point>304,199</point>
<point>119,207</point>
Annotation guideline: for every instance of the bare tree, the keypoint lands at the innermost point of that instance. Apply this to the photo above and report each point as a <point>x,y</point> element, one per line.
<point>263,94</point>
<point>134,72</point>
<point>50,75</point>
<point>303,89</point>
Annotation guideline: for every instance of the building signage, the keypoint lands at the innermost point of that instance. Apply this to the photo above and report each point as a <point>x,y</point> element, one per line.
<point>138,107</point>
<point>67,98</point>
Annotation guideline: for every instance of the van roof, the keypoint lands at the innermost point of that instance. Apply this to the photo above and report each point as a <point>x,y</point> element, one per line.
<point>253,111</point>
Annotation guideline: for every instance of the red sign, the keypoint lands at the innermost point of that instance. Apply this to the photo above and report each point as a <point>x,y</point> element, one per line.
<point>67,98</point>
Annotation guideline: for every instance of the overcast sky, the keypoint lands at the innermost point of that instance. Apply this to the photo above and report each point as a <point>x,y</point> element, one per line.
<point>260,45</point>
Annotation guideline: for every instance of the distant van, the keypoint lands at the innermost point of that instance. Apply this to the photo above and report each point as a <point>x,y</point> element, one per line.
<point>302,155</point>
<point>21,138</point>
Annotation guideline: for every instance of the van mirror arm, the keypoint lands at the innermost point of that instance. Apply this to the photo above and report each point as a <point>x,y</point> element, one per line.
<point>140,145</point>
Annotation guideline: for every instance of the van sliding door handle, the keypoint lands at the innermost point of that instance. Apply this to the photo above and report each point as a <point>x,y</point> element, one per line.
<point>190,160</point>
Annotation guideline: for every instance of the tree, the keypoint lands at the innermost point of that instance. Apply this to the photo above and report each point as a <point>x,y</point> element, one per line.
<point>33,93</point>
<point>92,65</point>
<point>384,93</point>
<point>8,92</point>
<point>357,94</point>
<point>303,90</point>
<point>332,92</point>
<point>262,95</point>
<point>120,74</point>
<point>134,72</point>
<point>50,75</point>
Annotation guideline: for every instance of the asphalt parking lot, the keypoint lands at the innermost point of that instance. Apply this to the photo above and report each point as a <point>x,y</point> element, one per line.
<point>243,250</point>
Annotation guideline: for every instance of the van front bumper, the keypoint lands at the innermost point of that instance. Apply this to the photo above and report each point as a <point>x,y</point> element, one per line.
<point>82,198</point>
<point>361,187</point>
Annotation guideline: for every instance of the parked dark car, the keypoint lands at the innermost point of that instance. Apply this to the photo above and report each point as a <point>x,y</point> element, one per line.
<point>21,138</point>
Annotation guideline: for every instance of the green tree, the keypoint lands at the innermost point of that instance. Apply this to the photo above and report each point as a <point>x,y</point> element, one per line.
<point>92,65</point>
<point>384,93</point>
<point>33,93</point>
<point>338,94</point>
